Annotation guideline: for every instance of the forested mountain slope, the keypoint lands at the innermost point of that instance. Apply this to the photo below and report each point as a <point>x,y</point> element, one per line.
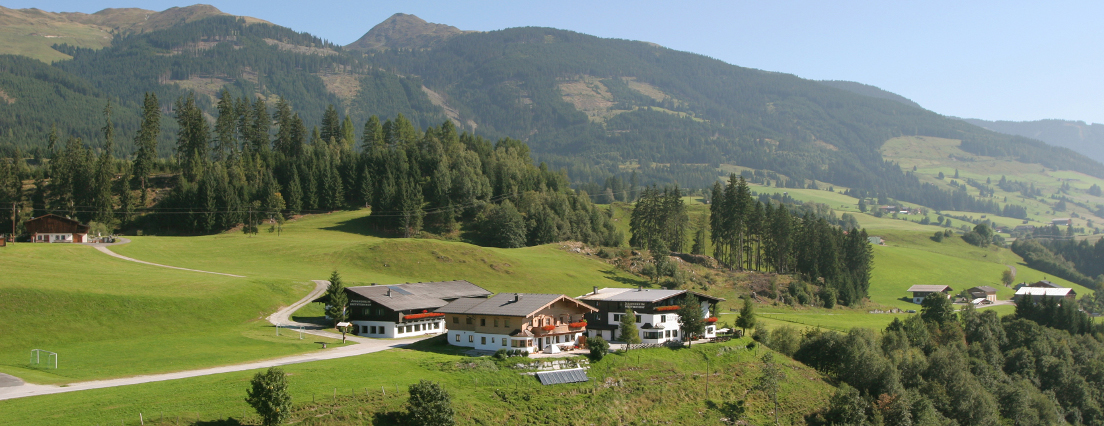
<point>597,107</point>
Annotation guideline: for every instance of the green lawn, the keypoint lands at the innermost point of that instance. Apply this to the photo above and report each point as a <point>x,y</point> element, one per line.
<point>107,317</point>
<point>650,385</point>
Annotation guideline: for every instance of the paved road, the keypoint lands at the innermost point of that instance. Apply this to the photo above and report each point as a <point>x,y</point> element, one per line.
<point>103,247</point>
<point>363,346</point>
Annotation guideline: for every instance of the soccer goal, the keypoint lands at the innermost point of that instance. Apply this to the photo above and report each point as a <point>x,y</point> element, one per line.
<point>38,354</point>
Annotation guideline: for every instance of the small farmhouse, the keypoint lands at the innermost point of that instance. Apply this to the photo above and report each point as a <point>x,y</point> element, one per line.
<point>656,312</point>
<point>404,310</point>
<point>1041,293</point>
<point>525,321</point>
<point>1044,284</point>
<point>919,292</point>
<point>1061,222</point>
<point>52,228</point>
<point>983,292</point>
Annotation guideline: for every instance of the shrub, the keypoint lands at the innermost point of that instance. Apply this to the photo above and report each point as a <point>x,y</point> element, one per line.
<point>761,334</point>
<point>430,404</point>
<point>501,354</point>
<point>269,396</point>
<point>598,347</point>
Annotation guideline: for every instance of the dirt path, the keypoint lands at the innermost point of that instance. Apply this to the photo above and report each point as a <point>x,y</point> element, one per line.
<point>282,316</point>
<point>103,247</point>
<point>1013,269</point>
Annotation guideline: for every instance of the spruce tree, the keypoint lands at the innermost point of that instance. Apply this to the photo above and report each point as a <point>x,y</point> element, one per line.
<point>746,319</point>
<point>146,141</point>
<point>629,333</point>
<point>336,300</point>
<point>691,321</point>
<point>105,173</point>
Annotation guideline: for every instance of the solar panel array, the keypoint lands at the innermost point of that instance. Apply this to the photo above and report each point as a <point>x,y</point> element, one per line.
<point>575,375</point>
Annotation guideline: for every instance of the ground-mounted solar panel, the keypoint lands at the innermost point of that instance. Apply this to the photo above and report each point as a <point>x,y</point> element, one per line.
<point>575,375</point>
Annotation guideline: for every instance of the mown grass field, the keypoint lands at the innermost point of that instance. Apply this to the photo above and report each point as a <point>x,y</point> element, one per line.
<point>106,317</point>
<point>643,386</point>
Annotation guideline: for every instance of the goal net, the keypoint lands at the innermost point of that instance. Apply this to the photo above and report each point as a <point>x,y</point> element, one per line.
<point>43,357</point>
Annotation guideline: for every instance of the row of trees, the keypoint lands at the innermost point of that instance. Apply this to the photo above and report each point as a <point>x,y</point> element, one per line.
<point>255,164</point>
<point>749,234</point>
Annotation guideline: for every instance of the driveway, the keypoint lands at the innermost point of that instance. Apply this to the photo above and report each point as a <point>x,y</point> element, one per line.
<point>282,317</point>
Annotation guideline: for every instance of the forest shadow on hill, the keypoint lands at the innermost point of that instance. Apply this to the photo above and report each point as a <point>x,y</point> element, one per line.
<point>362,225</point>
<point>611,274</point>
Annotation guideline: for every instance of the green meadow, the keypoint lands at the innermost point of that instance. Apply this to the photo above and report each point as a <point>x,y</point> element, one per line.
<point>108,317</point>
<point>642,386</point>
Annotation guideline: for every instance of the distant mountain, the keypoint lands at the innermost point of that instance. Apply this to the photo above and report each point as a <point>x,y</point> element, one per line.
<point>868,90</point>
<point>402,31</point>
<point>595,107</point>
<point>31,32</point>
<point>1087,139</point>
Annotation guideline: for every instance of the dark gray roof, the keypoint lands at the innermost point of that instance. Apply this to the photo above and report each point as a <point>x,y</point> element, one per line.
<point>639,295</point>
<point>1047,284</point>
<point>431,295</point>
<point>575,375</point>
<point>985,288</point>
<point>504,304</point>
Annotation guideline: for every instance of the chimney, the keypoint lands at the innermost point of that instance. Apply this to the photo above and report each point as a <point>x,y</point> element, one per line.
<point>595,290</point>
<point>517,297</point>
<point>639,288</point>
<point>388,291</point>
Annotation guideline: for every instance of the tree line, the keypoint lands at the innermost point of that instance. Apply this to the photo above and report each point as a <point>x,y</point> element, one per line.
<point>751,234</point>
<point>256,163</point>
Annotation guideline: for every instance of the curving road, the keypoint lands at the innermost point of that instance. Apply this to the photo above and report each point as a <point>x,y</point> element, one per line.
<point>11,387</point>
<point>103,248</point>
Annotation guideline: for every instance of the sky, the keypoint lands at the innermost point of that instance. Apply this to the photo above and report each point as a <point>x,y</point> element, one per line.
<point>1005,60</point>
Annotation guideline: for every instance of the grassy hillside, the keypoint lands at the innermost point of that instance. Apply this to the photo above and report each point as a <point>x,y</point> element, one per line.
<point>107,317</point>
<point>110,318</point>
<point>652,386</point>
<point>931,156</point>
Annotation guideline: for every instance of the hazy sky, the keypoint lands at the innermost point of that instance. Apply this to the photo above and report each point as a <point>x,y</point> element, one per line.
<point>992,60</point>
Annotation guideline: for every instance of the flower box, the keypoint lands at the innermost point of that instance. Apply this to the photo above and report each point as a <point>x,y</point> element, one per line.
<point>666,308</point>
<point>711,320</point>
<point>579,324</point>
<point>420,316</point>
<point>548,328</point>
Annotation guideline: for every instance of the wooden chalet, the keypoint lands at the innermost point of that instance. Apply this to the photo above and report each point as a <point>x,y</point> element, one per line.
<point>512,321</point>
<point>920,292</point>
<point>403,310</point>
<point>656,312</point>
<point>983,292</point>
<point>52,228</point>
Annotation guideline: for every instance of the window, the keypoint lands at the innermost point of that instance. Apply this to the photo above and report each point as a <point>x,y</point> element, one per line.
<point>528,342</point>
<point>482,322</point>
<point>458,337</point>
<point>674,333</point>
<point>617,317</point>
<point>663,318</point>
<point>483,340</point>
<point>436,325</point>
<point>496,322</point>
<point>506,322</point>
<point>667,333</point>
<point>418,327</point>
<point>469,320</point>
<point>456,320</point>
<point>504,341</point>
<point>471,339</point>
<point>638,318</point>
<point>373,328</point>
<point>652,335</point>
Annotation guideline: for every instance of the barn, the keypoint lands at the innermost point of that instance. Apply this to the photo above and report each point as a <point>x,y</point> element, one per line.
<point>52,228</point>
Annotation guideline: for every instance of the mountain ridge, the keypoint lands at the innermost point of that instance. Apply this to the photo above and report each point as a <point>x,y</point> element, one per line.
<point>1085,138</point>
<point>404,31</point>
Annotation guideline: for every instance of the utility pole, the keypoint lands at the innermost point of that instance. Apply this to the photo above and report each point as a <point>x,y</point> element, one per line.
<point>12,236</point>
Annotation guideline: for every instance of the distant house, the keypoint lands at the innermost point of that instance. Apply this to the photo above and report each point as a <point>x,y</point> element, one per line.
<point>525,321</point>
<point>656,312</point>
<point>52,228</point>
<point>1061,222</point>
<point>1024,228</point>
<point>889,209</point>
<point>404,310</point>
<point>983,292</point>
<point>876,241</point>
<point>1041,293</point>
<point>919,292</point>
<point>1044,284</point>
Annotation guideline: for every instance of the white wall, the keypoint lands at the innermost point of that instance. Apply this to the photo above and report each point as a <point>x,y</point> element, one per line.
<point>393,330</point>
